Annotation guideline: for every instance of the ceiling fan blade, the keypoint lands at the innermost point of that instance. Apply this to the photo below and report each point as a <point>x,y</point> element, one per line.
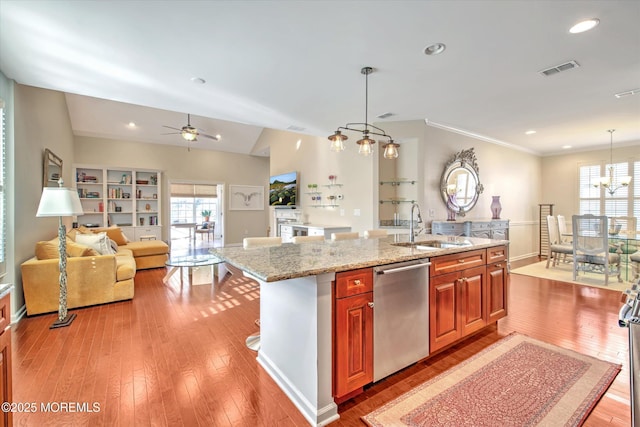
<point>171,127</point>
<point>208,136</point>
<point>171,133</point>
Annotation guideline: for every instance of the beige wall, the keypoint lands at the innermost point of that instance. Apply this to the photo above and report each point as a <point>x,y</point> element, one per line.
<point>560,175</point>
<point>179,164</point>
<point>41,121</point>
<point>512,174</point>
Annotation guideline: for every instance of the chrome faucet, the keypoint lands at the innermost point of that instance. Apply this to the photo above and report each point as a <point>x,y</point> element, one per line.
<point>412,237</point>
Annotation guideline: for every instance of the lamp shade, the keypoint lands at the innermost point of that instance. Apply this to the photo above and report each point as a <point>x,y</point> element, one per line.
<point>59,201</point>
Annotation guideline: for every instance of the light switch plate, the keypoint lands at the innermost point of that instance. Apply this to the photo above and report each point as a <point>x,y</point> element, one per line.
<point>356,212</point>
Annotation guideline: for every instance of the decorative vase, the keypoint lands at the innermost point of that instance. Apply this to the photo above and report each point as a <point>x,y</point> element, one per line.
<point>496,207</point>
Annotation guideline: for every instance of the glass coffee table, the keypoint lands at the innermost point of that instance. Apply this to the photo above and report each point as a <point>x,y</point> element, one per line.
<point>190,262</point>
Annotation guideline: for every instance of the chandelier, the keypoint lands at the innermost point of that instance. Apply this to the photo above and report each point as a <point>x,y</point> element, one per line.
<point>608,181</point>
<point>367,129</point>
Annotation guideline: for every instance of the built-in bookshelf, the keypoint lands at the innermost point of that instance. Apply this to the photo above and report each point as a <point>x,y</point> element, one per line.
<point>129,198</point>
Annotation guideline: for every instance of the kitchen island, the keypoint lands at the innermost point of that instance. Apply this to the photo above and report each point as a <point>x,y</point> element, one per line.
<point>297,304</point>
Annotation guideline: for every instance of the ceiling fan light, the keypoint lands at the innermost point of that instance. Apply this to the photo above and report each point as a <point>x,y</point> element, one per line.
<point>625,181</point>
<point>189,134</point>
<point>391,150</point>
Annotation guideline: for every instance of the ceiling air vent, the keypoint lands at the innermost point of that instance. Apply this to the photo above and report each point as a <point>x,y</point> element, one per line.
<point>385,115</point>
<point>295,128</point>
<point>558,68</point>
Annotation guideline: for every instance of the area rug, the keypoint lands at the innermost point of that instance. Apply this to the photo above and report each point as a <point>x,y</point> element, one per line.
<point>563,272</point>
<point>517,381</point>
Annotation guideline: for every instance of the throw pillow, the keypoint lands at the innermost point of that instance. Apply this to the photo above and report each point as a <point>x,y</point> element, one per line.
<point>116,234</point>
<point>49,249</point>
<point>99,242</point>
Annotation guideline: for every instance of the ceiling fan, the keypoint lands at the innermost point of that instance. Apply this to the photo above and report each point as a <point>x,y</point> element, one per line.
<point>190,133</point>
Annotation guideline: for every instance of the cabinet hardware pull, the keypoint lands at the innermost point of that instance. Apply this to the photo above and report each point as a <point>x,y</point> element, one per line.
<point>356,282</point>
<point>370,304</point>
<point>461,261</point>
<point>499,265</point>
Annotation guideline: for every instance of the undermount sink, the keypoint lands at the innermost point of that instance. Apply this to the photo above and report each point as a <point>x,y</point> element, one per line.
<point>431,244</point>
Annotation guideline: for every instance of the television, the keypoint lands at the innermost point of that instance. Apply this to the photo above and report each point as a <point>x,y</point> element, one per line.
<point>284,190</point>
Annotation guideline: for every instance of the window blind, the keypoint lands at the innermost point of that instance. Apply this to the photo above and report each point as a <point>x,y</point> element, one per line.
<point>193,190</point>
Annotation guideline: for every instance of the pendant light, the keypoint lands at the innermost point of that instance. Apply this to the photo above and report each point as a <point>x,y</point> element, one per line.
<point>608,181</point>
<point>365,145</point>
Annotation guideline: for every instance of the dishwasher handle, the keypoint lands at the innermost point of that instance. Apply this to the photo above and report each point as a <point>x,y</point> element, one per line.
<point>405,268</point>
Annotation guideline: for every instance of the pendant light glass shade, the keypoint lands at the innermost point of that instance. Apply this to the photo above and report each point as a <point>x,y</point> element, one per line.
<point>337,139</point>
<point>391,150</point>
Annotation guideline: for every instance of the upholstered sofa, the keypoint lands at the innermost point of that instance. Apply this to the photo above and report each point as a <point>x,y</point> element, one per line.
<point>91,279</point>
<point>147,253</point>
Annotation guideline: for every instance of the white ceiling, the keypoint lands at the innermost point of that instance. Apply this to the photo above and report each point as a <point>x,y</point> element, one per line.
<point>278,64</point>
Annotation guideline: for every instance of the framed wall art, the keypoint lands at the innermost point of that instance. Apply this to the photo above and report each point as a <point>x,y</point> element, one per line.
<point>246,198</point>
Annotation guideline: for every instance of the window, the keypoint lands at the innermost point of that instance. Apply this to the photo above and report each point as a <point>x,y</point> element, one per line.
<point>3,196</point>
<point>625,201</point>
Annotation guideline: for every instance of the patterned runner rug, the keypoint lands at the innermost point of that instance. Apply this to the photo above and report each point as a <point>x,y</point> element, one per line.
<point>517,381</point>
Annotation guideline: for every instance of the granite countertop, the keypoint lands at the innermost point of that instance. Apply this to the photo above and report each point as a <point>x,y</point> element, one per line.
<point>288,261</point>
<point>5,288</point>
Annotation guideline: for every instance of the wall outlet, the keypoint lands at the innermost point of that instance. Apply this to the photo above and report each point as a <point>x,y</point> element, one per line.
<point>341,212</point>
<point>432,213</point>
<point>356,212</point>
<point>246,232</point>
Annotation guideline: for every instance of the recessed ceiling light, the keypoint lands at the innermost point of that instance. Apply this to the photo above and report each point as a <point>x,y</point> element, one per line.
<point>132,124</point>
<point>198,80</point>
<point>435,49</point>
<point>583,26</point>
<point>530,132</point>
<point>566,147</point>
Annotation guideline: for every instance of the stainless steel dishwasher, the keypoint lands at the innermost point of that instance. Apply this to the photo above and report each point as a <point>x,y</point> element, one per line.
<point>400,316</point>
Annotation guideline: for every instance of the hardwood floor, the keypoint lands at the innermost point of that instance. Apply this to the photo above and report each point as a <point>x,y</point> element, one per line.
<point>175,355</point>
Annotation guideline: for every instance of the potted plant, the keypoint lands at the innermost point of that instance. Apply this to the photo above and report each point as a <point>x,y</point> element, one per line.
<point>206,214</point>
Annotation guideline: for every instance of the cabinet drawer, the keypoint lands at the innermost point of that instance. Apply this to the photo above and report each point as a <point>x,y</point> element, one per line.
<point>457,262</point>
<point>477,226</point>
<point>354,282</point>
<point>446,228</point>
<point>5,312</point>
<point>495,254</point>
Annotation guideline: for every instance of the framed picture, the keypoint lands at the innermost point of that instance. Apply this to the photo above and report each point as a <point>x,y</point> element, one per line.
<point>246,198</point>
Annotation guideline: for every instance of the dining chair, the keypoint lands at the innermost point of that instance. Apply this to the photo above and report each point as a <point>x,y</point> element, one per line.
<point>370,234</point>
<point>635,264</point>
<point>253,341</point>
<point>556,247</point>
<point>345,236</point>
<point>208,228</point>
<point>563,232</point>
<point>591,247</point>
<point>304,239</point>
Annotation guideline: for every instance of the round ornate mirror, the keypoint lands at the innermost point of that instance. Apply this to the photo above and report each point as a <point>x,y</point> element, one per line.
<point>460,184</point>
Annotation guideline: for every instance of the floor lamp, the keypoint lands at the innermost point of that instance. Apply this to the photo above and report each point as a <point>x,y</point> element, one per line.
<point>60,201</point>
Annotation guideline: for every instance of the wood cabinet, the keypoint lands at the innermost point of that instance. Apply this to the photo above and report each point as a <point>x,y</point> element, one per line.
<point>353,332</point>
<point>497,283</point>
<point>126,197</point>
<point>466,294</point>
<point>6,394</point>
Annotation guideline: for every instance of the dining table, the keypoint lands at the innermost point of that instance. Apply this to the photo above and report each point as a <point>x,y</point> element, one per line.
<point>625,244</point>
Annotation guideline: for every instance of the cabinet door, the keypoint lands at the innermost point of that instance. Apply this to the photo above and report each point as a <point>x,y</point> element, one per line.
<point>353,343</point>
<point>472,305</point>
<point>497,291</point>
<point>444,321</point>
<point>5,375</point>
